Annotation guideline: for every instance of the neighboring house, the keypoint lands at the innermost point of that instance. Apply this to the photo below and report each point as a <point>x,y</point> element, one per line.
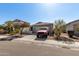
<point>26,30</point>
<point>39,25</point>
<point>73,26</point>
<point>18,22</point>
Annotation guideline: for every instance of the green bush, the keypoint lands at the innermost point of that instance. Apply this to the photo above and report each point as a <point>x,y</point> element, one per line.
<point>17,30</point>
<point>12,33</point>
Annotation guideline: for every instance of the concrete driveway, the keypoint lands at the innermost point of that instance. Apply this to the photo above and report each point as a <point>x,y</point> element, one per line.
<point>27,38</point>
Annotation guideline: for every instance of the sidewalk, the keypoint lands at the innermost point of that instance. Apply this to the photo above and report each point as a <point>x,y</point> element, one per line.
<point>48,42</point>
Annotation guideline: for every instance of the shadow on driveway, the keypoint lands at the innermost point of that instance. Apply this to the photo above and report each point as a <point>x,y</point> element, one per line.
<point>41,39</point>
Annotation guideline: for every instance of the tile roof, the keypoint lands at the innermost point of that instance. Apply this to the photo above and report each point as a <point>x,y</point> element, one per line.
<point>42,23</point>
<point>72,22</point>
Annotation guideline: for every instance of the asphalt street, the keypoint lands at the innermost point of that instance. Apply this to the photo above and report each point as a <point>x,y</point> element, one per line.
<point>18,48</point>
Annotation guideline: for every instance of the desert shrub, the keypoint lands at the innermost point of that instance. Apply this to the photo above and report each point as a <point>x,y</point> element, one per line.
<point>12,33</point>
<point>59,28</point>
<point>2,31</point>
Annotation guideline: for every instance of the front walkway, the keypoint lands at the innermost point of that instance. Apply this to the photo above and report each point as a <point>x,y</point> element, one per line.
<point>31,39</point>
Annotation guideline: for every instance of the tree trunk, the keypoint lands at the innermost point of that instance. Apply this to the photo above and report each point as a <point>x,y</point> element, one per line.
<point>58,37</point>
<point>21,30</point>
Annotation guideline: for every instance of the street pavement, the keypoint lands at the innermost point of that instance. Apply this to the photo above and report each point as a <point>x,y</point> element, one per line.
<point>12,48</point>
<point>30,46</point>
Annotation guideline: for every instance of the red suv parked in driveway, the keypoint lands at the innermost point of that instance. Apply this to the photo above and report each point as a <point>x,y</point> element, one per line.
<point>43,32</point>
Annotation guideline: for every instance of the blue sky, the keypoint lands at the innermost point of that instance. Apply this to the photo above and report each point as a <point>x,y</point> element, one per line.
<point>35,12</point>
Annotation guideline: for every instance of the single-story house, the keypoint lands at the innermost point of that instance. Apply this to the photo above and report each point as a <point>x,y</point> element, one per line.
<point>39,25</point>
<point>73,26</point>
<point>26,30</point>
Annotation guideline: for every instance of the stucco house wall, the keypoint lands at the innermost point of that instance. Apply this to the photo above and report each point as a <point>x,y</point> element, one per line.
<point>70,26</point>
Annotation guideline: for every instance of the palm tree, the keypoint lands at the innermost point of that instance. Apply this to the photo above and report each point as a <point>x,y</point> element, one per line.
<point>59,27</point>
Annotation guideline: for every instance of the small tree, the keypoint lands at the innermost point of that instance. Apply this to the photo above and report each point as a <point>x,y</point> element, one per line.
<point>18,24</point>
<point>25,24</point>
<point>9,26</point>
<point>59,28</point>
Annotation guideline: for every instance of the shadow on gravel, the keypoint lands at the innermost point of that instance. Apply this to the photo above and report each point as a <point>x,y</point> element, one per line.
<point>65,40</point>
<point>41,39</point>
<point>74,37</point>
